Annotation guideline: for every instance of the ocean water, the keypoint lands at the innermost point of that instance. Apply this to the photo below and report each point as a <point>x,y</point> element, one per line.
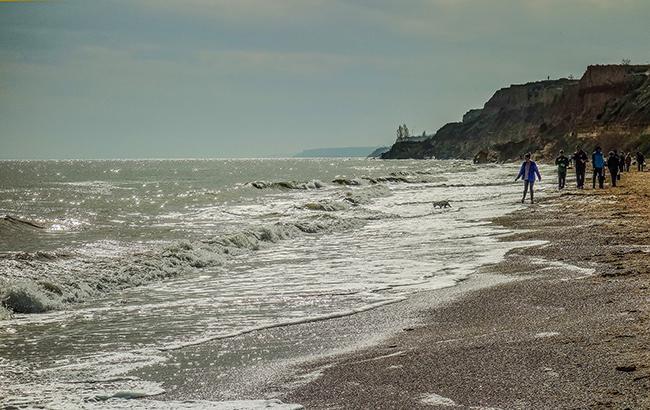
<point>110,264</point>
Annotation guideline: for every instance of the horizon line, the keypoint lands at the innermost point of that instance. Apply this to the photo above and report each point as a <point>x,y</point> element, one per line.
<point>162,159</point>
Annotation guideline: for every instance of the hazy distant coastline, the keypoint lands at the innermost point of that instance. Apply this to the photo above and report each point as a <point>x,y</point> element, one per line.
<point>339,152</point>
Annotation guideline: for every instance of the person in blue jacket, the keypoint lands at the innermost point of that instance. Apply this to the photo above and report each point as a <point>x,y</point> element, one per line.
<point>527,173</point>
<point>598,162</point>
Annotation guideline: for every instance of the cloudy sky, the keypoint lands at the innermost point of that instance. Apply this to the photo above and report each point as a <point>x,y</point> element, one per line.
<point>233,78</point>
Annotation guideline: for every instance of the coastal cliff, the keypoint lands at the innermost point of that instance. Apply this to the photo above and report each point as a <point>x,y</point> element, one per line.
<point>609,105</point>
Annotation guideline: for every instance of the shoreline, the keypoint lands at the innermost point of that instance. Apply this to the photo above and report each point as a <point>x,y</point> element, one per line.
<point>570,329</point>
<point>267,363</point>
<point>539,304</point>
<point>247,369</point>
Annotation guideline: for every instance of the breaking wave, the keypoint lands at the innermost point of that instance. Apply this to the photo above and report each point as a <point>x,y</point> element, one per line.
<point>5,314</point>
<point>480,184</point>
<point>326,205</point>
<point>346,181</point>
<point>366,195</point>
<point>28,297</point>
<point>39,282</point>
<point>417,177</point>
<point>313,184</point>
<point>10,223</point>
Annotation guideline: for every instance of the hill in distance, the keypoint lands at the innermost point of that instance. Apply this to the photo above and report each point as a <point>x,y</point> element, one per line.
<point>342,152</point>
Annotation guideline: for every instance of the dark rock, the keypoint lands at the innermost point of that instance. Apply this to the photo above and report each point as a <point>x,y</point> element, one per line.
<point>485,156</point>
<point>627,369</point>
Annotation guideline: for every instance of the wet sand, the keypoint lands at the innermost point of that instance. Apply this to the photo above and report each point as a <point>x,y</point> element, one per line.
<point>262,364</point>
<point>571,330</point>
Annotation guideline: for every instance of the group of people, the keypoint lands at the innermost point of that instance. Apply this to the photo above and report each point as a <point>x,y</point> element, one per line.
<point>615,162</point>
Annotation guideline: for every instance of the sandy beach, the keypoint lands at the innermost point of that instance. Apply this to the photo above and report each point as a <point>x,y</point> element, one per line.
<point>570,330</point>
<point>317,204</point>
<point>560,322</point>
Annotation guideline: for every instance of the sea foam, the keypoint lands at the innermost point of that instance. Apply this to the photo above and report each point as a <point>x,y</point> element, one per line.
<point>36,283</point>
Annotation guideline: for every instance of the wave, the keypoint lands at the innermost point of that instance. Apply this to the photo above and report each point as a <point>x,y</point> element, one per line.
<point>11,225</point>
<point>418,177</point>
<point>39,282</point>
<point>89,187</point>
<point>313,184</point>
<point>27,297</point>
<point>326,205</point>
<point>415,177</point>
<point>5,314</point>
<point>284,323</point>
<point>405,178</point>
<point>393,179</point>
<point>498,183</point>
<point>38,255</point>
<point>366,195</point>
<point>346,181</point>
<point>8,222</point>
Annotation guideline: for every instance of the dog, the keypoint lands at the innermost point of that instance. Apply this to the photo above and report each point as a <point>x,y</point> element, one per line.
<point>441,204</point>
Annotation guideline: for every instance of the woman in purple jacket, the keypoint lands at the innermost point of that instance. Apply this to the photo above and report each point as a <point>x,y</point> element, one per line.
<point>527,173</point>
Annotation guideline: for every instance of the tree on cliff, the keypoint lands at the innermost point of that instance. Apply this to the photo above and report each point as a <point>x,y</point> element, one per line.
<point>402,132</point>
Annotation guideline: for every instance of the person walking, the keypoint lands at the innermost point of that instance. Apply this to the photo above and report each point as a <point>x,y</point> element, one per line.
<point>527,172</point>
<point>562,163</point>
<point>580,164</point>
<point>640,161</point>
<point>598,162</point>
<point>613,163</point>
<point>628,161</point>
<point>621,164</point>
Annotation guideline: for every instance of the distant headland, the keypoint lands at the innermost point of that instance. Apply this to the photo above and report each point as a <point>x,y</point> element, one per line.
<point>609,105</point>
<point>342,152</point>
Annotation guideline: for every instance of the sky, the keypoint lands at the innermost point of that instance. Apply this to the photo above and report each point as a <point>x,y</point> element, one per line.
<point>268,78</point>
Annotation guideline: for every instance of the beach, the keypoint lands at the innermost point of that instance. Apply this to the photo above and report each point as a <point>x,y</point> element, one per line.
<point>212,279</point>
<point>254,205</point>
<point>517,306</point>
<point>569,330</point>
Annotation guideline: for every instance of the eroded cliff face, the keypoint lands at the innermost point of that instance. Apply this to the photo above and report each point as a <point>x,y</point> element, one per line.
<point>609,105</point>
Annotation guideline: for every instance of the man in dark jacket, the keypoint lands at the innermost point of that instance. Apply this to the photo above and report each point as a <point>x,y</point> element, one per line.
<point>621,164</point>
<point>580,163</point>
<point>613,163</point>
<point>640,161</point>
<point>562,163</point>
<point>628,161</point>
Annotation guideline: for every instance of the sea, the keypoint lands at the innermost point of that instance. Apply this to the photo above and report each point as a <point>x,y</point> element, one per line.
<point>108,265</point>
